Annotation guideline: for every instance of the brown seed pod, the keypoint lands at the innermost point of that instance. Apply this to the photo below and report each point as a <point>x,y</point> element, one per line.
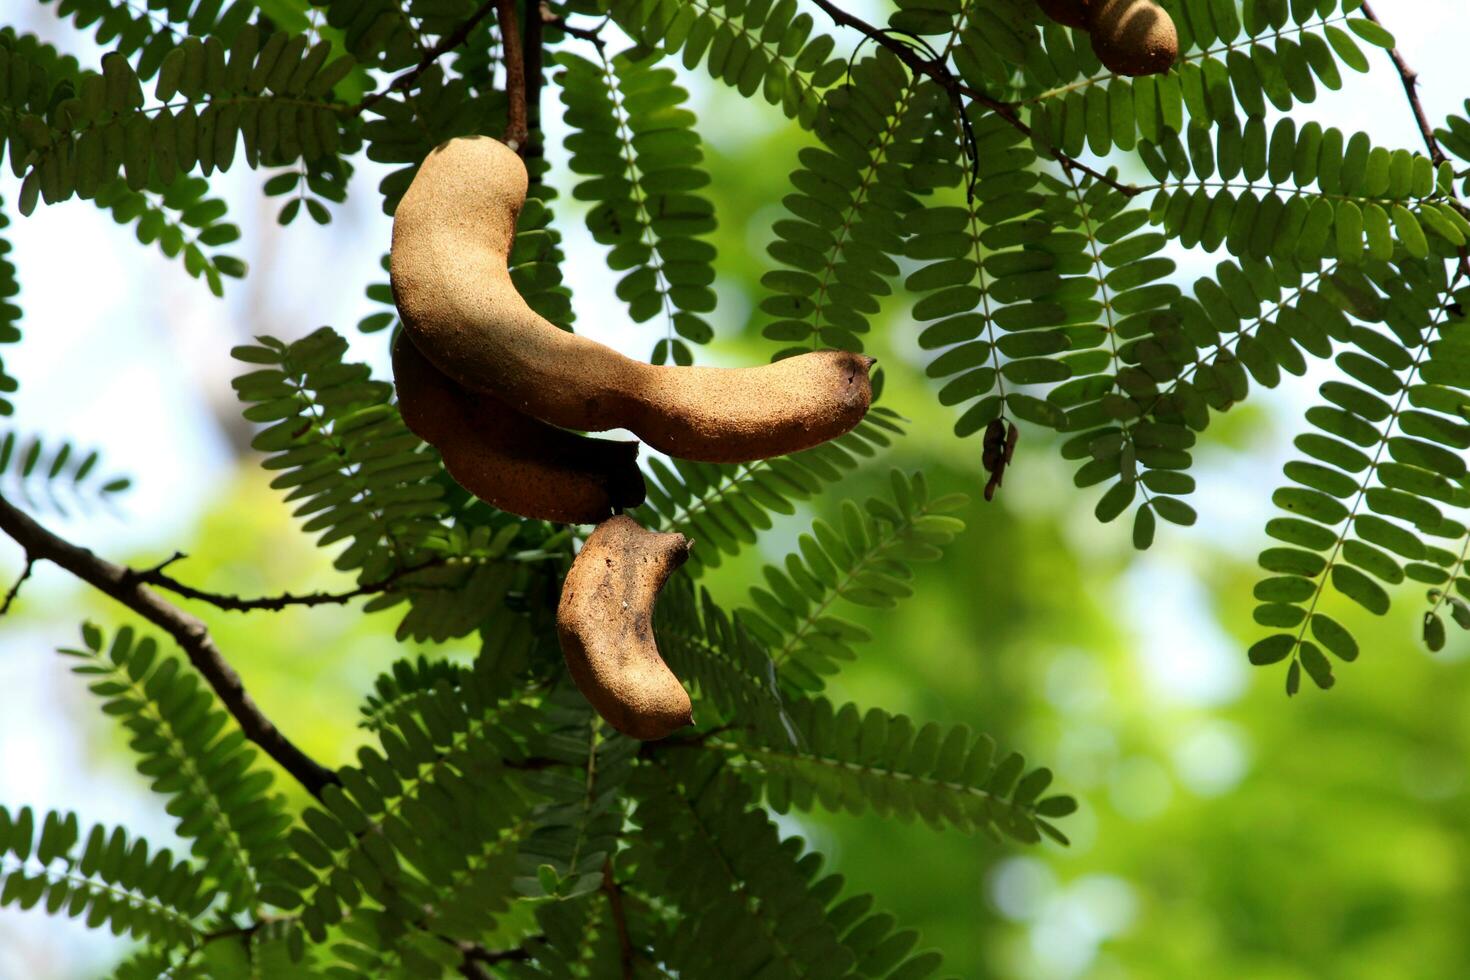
<point>1071,13</point>
<point>451,236</point>
<point>1133,37</point>
<point>605,623</point>
<point>510,460</point>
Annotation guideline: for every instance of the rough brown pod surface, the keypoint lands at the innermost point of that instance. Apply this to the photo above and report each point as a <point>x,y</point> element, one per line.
<point>1133,37</point>
<point>1072,13</point>
<point>605,624</point>
<point>510,460</point>
<point>452,233</point>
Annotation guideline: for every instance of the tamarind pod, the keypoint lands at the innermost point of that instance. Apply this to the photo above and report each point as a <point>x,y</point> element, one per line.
<point>1133,37</point>
<point>605,624</point>
<point>452,234</point>
<point>510,460</point>
<point>1071,13</point>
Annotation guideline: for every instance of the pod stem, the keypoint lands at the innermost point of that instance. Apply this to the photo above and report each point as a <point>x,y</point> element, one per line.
<point>517,130</point>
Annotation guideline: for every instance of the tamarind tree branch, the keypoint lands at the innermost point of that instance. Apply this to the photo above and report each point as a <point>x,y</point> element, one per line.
<point>156,577</point>
<point>938,72</point>
<point>192,636</point>
<point>441,47</point>
<point>517,129</point>
<point>25,573</point>
<point>532,55</point>
<point>592,35</point>
<point>620,919</point>
<point>1410,79</point>
<point>477,957</point>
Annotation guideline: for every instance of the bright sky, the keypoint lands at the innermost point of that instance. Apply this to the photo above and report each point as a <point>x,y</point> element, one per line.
<point>100,366</point>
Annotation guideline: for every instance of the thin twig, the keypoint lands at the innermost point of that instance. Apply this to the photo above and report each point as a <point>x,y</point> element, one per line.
<point>531,53</point>
<point>471,970</point>
<point>649,749</point>
<point>231,603</point>
<point>620,919</point>
<point>124,585</point>
<point>1410,78</point>
<point>444,45</point>
<point>475,954</point>
<point>592,34</point>
<point>935,70</point>
<point>517,130</point>
<point>25,573</point>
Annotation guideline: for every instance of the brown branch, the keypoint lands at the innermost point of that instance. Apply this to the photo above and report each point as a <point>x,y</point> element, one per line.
<point>1410,79</point>
<point>123,585</point>
<point>25,573</point>
<point>937,71</point>
<point>231,603</point>
<point>593,35</point>
<point>696,741</point>
<point>517,131</point>
<point>531,49</point>
<point>620,919</point>
<point>477,957</point>
<point>444,45</point>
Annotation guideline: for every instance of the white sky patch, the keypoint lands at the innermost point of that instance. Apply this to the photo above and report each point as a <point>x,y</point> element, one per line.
<point>1183,655</point>
<point>1212,759</point>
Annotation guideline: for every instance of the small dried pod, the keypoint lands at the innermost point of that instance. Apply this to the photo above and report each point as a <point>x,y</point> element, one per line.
<point>452,235</point>
<point>1133,37</point>
<point>510,460</point>
<point>1069,13</point>
<point>605,624</point>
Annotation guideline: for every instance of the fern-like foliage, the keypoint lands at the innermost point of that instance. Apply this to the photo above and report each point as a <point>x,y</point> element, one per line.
<point>983,286</point>
<point>761,907</point>
<point>716,654</point>
<point>406,688</point>
<point>1220,77</point>
<point>840,243</point>
<point>382,33</point>
<point>1454,138</point>
<point>726,505</point>
<point>183,220</point>
<point>54,477</point>
<point>409,819</point>
<point>147,35</point>
<point>9,314</point>
<point>578,824</point>
<point>865,561</point>
<point>269,97</point>
<point>632,132</point>
<point>1299,194</point>
<point>192,755</point>
<point>361,476</point>
<point>342,450</point>
<point>1387,452</point>
<point>110,880</point>
<point>753,47</point>
<point>847,759</point>
<point>310,186</point>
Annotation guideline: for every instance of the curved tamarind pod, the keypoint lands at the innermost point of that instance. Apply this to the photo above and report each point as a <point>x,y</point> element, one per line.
<point>1133,37</point>
<point>510,460</point>
<point>605,624</point>
<point>1072,13</point>
<point>451,236</point>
